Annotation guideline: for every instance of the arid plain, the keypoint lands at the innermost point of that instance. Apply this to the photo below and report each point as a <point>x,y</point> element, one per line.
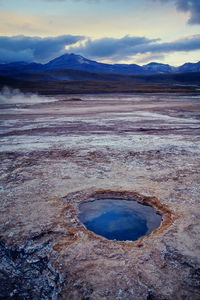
<point>56,153</point>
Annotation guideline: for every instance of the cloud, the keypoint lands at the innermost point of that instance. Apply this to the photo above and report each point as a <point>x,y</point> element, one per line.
<point>186,44</point>
<point>191,6</point>
<point>37,49</point>
<point>148,57</point>
<point>23,48</point>
<point>116,49</point>
<point>127,47</point>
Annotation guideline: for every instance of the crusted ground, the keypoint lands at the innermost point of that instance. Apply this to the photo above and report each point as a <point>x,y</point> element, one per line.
<point>56,154</point>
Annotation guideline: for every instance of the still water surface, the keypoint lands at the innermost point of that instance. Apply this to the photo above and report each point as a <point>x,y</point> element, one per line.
<point>119,220</point>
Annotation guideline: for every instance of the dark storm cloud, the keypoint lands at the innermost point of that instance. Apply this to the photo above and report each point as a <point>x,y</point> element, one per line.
<point>23,48</point>
<point>190,43</point>
<point>116,49</point>
<point>121,49</point>
<point>38,49</point>
<point>191,6</point>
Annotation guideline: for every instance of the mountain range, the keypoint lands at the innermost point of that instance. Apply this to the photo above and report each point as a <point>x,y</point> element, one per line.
<point>80,63</point>
<point>72,74</point>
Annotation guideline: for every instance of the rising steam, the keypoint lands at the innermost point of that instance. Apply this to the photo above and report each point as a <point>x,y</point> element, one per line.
<point>15,96</point>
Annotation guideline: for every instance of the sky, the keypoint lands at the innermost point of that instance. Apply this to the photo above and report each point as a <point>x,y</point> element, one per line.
<point>110,31</point>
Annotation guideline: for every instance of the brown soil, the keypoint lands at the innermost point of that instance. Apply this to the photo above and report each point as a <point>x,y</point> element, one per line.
<point>56,155</point>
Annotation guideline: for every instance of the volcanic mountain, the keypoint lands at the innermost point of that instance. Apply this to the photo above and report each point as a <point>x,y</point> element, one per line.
<point>78,62</point>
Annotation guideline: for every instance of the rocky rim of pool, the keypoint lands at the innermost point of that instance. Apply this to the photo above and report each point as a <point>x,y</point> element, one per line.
<point>121,216</point>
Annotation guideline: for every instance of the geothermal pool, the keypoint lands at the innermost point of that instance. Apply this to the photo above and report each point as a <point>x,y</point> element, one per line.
<point>120,220</point>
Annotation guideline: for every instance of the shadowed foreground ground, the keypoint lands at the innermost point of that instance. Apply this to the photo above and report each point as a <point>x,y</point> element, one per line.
<point>56,154</point>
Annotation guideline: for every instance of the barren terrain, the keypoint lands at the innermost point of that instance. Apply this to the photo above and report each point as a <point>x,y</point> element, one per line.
<point>57,154</point>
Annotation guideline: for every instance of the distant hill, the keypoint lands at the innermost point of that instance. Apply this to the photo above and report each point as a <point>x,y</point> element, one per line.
<point>75,82</point>
<point>189,67</point>
<point>72,73</point>
<point>77,62</point>
<point>155,68</point>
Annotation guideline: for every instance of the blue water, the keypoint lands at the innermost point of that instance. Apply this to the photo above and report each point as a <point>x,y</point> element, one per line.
<point>117,225</point>
<point>119,220</point>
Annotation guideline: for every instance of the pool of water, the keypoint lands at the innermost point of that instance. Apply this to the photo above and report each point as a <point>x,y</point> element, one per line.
<point>119,220</point>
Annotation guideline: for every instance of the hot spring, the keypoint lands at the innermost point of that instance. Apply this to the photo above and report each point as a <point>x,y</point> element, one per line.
<point>118,219</point>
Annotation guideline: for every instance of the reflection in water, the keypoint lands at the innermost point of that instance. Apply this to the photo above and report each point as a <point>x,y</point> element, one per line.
<point>119,219</point>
